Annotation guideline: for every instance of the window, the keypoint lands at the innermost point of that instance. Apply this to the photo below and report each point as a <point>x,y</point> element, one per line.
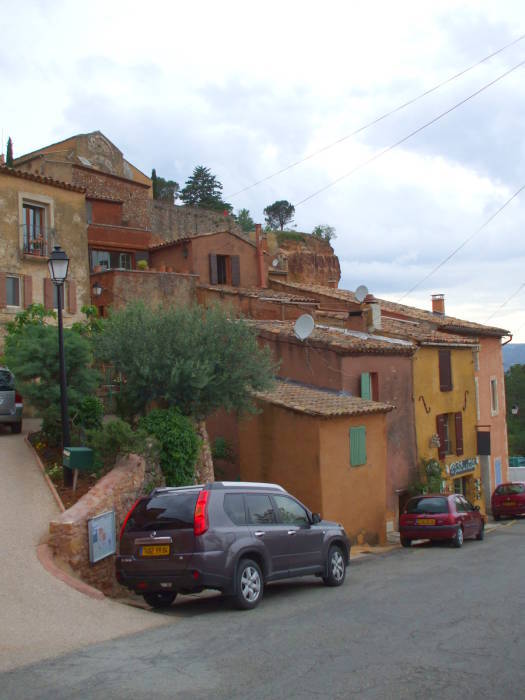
<point>445,371</point>
<point>111,261</point>
<point>433,504</point>
<point>33,226</point>
<point>164,512</point>
<point>290,512</point>
<point>357,446</point>
<point>225,269</point>
<point>12,291</point>
<point>494,405</point>
<point>460,504</point>
<point>450,432</point>
<point>234,508</point>
<point>260,510</point>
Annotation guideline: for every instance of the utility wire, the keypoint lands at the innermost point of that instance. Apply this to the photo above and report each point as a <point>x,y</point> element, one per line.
<point>410,135</point>
<point>377,119</point>
<point>518,290</point>
<point>467,240</point>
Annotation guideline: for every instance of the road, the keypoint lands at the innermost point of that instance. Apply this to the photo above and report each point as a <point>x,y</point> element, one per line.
<point>429,622</point>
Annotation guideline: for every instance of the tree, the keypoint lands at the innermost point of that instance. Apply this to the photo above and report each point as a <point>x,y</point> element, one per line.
<point>245,221</point>
<point>31,353</point>
<point>165,190</point>
<point>515,398</point>
<point>192,359</point>
<point>9,153</point>
<point>202,189</point>
<point>324,233</point>
<point>278,214</point>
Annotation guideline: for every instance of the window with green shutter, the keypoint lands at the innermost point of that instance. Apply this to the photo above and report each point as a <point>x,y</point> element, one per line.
<point>366,386</point>
<point>357,446</point>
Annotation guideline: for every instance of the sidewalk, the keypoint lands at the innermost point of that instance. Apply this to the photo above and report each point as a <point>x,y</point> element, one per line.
<point>41,617</point>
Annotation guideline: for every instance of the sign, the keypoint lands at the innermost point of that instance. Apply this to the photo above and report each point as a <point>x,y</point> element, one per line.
<point>462,467</point>
<point>102,536</point>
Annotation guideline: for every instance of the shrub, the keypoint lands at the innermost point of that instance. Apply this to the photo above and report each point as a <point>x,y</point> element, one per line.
<point>114,438</point>
<point>142,265</point>
<point>179,444</point>
<point>90,413</point>
<point>222,449</point>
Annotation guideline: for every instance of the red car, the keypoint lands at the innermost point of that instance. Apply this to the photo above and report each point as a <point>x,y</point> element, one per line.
<point>509,499</point>
<point>440,517</point>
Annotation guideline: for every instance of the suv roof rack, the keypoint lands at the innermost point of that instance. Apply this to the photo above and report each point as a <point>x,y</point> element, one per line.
<point>170,489</point>
<point>245,484</point>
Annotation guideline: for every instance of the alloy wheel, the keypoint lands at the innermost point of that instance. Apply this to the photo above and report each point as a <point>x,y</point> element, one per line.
<point>337,565</point>
<point>250,584</point>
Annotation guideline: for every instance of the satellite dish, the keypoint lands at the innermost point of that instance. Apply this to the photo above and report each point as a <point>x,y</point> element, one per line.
<point>360,293</point>
<point>304,326</point>
<point>275,262</point>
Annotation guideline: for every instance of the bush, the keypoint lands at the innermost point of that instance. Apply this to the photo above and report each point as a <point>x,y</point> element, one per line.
<point>222,449</point>
<point>90,413</point>
<point>179,444</point>
<point>114,438</point>
<point>142,265</point>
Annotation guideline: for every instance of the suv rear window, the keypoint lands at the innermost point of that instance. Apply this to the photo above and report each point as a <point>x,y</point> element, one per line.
<point>167,511</point>
<point>510,488</point>
<point>427,505</point>
<point>6,380</point>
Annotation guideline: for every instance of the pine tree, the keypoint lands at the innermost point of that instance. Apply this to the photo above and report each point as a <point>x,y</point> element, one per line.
<point>203,190</point>
<point>9,154</point>
<point>154,183</point>
<point>278,214</point>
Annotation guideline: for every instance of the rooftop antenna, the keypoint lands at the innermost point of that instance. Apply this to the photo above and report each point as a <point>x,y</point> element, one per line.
<point>360,293</point>
<point>304,326</point>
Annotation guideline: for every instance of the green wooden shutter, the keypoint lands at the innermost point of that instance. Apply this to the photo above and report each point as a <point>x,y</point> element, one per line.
<point>357,446</point>
<point>366,390</point>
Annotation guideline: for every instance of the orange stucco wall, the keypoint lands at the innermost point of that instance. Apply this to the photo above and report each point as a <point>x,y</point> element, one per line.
<point>224,244</point>
<point>178,257</point>
<point>310,457</point>
<point>354,496</point>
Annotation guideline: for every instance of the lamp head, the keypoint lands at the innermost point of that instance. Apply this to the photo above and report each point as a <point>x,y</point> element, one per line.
<point>58,264</point>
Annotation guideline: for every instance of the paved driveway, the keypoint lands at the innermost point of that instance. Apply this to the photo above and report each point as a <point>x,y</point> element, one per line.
<point>41,617</point>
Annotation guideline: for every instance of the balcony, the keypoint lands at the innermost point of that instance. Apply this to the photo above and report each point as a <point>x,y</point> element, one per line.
<point>37,247</point>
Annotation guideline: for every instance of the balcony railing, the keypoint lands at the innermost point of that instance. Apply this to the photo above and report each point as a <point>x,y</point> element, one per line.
<point>36,246</point>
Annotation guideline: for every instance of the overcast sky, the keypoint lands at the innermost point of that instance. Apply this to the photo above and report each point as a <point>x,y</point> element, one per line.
<point>247,88</point>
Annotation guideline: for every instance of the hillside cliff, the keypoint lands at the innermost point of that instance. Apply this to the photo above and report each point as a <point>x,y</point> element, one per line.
<point>304,258</point>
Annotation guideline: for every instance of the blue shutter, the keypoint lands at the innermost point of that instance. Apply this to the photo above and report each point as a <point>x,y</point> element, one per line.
<point>366,390</point>
<point>357,446</point>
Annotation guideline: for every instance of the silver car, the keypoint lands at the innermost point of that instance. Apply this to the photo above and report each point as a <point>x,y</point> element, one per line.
<point>11,404</point>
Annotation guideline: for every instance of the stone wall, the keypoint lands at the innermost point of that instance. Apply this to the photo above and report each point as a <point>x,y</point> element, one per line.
<point>172,222</point>
<point>117,491</point>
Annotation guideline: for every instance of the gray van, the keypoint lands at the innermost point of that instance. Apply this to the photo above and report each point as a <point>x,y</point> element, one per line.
<point>11,404</point>
<point>230,536</point>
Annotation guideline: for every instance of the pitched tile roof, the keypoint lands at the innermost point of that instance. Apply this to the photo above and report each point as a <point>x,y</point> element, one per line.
<point>340,340</point>
<point>320,402</point>
<point>4,170</point>
<point>422,332</point>
<point>442,322</point>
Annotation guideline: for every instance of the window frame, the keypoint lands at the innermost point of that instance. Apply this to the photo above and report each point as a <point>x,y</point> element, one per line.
<point>276,496</point>
<point>47,205</point>
<point>494,397</point>
<point>9,276</point>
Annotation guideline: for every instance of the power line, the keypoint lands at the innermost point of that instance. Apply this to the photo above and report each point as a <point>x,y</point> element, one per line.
<point>518,290</point>
<point>377,119</point>
<point>467,240</point>
<point>409,136</point>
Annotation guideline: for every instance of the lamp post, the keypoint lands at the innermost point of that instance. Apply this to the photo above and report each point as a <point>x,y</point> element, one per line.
<point>58,264</point>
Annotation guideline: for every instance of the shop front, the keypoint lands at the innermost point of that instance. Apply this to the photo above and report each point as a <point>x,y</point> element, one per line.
<point>464,477</point>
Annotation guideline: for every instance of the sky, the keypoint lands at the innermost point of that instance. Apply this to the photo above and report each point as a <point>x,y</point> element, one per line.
<point>246,89</point>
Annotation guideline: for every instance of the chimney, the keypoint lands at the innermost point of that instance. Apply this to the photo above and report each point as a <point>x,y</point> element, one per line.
<point>438,304</point>
<point>261,281</point>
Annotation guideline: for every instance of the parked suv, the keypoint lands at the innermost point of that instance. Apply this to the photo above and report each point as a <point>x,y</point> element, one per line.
<point>230,536</point>
<point>11,403</point>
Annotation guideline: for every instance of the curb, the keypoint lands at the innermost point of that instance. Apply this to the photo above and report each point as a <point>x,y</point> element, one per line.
<point>45,557</point>
<point>52,488</point>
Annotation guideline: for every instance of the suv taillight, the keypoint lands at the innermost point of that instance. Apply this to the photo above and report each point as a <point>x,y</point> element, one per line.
<point>200,518</point>
<point>18,398</point>
<point>127,518</point>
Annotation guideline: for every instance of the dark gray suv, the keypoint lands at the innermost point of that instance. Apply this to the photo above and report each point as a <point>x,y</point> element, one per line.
<point>230,536</point>
<point>11,404</point>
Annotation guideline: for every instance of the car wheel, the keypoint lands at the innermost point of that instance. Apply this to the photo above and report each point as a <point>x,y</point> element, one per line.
<point>159,600</point>
<point>249,586</point>
<point>458,538</point>
<point>497,516</point>
<point>335,567</point>
<point>16,428</point>
<point>481,533</point>
<point>405,542</point>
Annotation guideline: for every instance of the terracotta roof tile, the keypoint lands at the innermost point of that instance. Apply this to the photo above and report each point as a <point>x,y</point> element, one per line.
<point>320,402</point>
<point>4,170</point>
<point>422,332</point>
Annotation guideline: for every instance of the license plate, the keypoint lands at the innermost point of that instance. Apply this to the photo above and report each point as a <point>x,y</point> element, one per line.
<point>158,550</point>
<point>511,503</point>
<point>426,521</point>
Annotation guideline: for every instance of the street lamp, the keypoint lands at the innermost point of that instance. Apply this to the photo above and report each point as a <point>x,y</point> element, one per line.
<point>58,264</point>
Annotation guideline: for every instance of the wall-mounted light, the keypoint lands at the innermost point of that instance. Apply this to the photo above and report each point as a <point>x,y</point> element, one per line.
<point>185,251</point>
<point>96,289</point>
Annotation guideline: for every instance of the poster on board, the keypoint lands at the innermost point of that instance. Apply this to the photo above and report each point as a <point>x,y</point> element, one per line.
<point>101,534</point>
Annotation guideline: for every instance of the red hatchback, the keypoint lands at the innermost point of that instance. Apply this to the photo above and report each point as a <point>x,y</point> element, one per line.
<point>509,499</point>
<point>440,517</point>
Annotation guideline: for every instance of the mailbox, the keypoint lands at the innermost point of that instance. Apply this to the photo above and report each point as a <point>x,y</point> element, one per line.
<point>80,458</point>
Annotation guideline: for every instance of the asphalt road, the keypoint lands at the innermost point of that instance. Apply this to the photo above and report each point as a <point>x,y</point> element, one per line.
<point>429,622</point>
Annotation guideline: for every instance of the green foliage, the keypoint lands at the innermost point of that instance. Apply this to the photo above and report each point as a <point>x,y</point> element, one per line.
<point>283,236</point>
<point>429,479</point>
<point>9,153</point>
<point>221,449</point>
<point>515,396</point>
<point>142,265</point>
<point>31,353</point>
<point>324,233</point>
<point>202,189</point>
<point>118,437</point>
<point>197,360</point>
<point>34,315</point>
<point>93,323</point>
<point>90,413</point>
<point>278,214</point>
<point>178,441</point>
<point>245,221</point>
<point>165,190</point>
